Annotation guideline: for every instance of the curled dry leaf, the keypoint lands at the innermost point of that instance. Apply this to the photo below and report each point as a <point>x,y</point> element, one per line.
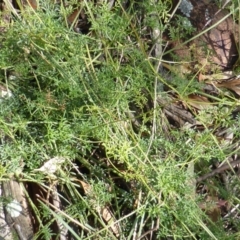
<point>231,84</point>
<point>51,166</point>
<point>225,75</point>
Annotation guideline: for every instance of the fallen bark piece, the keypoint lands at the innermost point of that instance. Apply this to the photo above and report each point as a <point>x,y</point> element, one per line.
<point>177,113</point>
<point>218,35</point>
<point>221,39</point>
<point>5,231</point>
<point>16,211</point>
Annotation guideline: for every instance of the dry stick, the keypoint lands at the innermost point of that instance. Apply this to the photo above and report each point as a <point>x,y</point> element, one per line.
<point>224,167</point>
<point>157,48</point>
<point>232,211</point>
<point>148,232</point>
<point>63,231</point>
<point>138,205</point>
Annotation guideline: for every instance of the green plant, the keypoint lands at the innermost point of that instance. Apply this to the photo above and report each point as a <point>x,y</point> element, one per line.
<point>91,99</point>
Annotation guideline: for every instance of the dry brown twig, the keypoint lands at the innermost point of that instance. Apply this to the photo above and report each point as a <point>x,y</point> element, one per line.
<point>224,167</point>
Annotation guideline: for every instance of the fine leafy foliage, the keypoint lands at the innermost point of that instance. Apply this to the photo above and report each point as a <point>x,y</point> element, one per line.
<point>91,100</point>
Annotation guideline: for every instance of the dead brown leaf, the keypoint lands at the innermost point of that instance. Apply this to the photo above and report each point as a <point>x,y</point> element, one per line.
<point>214,77</point>
<point>197,101</point>
<point>232,84</point>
